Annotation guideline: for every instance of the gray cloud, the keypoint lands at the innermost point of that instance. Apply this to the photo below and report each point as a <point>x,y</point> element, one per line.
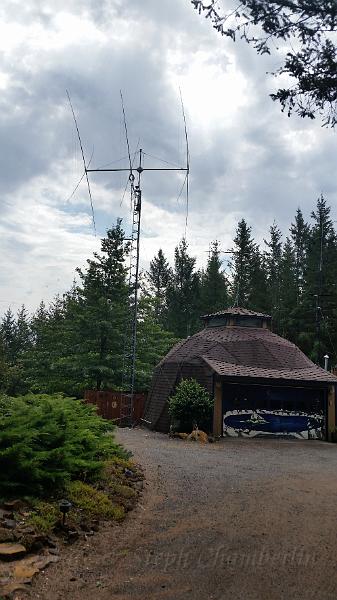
<point>247,159</point>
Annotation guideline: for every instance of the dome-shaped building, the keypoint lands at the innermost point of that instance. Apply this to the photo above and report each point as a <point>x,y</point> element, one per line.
<point>261,383</point>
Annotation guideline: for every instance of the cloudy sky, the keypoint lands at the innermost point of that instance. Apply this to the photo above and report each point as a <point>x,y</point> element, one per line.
<point>247,159</point>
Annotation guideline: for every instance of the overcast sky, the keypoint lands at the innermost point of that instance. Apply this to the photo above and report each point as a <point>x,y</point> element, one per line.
<point>247,158</point>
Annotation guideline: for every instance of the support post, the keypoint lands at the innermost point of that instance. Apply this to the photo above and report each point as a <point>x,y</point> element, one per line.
<point>331,412</point>
<point>217,413</point>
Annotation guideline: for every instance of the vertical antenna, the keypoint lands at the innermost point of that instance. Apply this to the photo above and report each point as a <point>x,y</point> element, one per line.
<point>84,163</point>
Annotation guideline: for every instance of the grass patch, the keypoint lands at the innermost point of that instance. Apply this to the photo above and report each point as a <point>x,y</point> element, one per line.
<point>44,517</point>
<point>123,490</point>
<point>94,503</point>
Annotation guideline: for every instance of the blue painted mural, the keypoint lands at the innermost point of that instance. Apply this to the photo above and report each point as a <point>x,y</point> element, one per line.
<point>273,411</point>
<point>261,422</point>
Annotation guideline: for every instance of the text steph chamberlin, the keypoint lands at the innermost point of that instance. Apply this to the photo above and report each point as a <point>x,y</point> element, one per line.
<point>224,557</point>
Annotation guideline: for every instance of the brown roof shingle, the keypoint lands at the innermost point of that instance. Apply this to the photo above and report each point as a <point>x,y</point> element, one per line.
<point>248,352</point>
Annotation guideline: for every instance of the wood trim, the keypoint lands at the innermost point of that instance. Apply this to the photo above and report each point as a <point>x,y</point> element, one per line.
<point>331,412</point>
<point>217,413</point>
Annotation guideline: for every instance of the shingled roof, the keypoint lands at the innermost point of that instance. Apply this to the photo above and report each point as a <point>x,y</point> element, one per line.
<point>236,311</point>
<point>248,352</point>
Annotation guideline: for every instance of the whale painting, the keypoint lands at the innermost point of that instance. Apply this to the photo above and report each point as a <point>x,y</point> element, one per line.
<point>277,423</point>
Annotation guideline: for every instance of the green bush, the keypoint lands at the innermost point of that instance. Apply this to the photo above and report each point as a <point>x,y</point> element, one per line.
<point>190,405</point>
<point>46,441</point>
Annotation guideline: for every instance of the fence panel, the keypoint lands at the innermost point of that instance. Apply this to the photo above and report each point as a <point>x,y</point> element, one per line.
<point>108,404</point>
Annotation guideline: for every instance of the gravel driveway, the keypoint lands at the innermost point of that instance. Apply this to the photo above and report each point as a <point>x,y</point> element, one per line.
<point>239,519</point>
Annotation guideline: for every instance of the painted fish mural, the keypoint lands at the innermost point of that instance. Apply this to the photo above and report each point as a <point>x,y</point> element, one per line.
<point>269,422</point>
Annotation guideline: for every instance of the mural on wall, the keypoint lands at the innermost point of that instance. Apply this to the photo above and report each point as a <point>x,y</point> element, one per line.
<point>253,423</point>
<point>270,411</point>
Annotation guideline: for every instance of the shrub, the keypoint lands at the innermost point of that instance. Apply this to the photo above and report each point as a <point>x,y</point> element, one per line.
<point>191,404</point>
<point>46,441</point>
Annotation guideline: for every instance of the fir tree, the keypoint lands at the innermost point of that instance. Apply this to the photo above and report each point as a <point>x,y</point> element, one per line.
<point>159,277</point>
<point>213,290</point>
<point>273,257</point>
<point>299,231</point>
<point>183,294</point>
<point>243,253</point>
<point>9,336</point>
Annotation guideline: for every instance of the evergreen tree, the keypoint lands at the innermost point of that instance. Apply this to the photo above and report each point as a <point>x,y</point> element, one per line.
<point>273,257</point>
<point>9,336</point>
<point>213,290</point>
<point>101,311</point>
<point>288,292</point>
<point>159,277</point>
<point>23,331</point>
<point>299,231</point>
<point>153,343</point>
<point>320,295</point>
<point>258,296</point>
<point>243,253</point>
<point>183,294</point>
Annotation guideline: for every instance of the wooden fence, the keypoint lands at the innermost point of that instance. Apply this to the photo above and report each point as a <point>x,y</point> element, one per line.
<point>109,404</point>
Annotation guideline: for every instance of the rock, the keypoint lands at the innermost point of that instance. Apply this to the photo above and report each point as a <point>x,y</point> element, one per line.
<point>11,551</point>
<point>25,570</point>
<point>54,551</point>
<point>15,505</point>
<point>6,535</point>
<point>5,514</point>
<point>10,588</point>
<point>138,485</point>
<point>9,523</point>
<point>50,542</point>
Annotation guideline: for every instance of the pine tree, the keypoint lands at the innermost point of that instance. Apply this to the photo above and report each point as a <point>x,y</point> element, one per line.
<point>159,277</point>
<point>273,257</point>
<point>183,294</point>
<point>23,331</point>
<point>9,336</point>
<point>213,290</point>
<point>299,231</point>
<point>288,292</point>
<point>153,343</point>
<point>258,296</point>
<point>103,304</point>
<point>243,253</point>
<point>320,294</point>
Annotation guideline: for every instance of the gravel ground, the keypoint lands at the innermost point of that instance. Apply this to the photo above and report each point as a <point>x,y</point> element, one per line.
<point>239,519</point>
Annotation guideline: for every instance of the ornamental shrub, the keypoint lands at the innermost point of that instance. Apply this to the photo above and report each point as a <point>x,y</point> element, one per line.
<point>47,441</point>
<point>190,405</point>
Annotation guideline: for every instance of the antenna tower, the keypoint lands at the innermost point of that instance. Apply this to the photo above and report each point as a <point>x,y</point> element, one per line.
<point>135,178</point>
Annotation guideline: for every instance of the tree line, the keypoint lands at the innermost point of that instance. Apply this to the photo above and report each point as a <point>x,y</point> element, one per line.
<point>77,341</point>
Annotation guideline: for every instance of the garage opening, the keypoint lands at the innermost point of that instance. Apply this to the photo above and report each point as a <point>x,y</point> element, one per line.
<point>264,411</point>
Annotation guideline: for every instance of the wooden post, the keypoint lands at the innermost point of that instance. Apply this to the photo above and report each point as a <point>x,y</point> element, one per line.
<point>331,412</point>
<point>217,414</point>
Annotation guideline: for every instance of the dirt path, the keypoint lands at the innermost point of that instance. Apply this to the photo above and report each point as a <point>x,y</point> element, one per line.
<point>241,519</point>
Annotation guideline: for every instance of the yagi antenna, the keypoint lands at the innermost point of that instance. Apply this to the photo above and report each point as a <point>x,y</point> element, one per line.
<point>84,163</point>
<point>129,355</point>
